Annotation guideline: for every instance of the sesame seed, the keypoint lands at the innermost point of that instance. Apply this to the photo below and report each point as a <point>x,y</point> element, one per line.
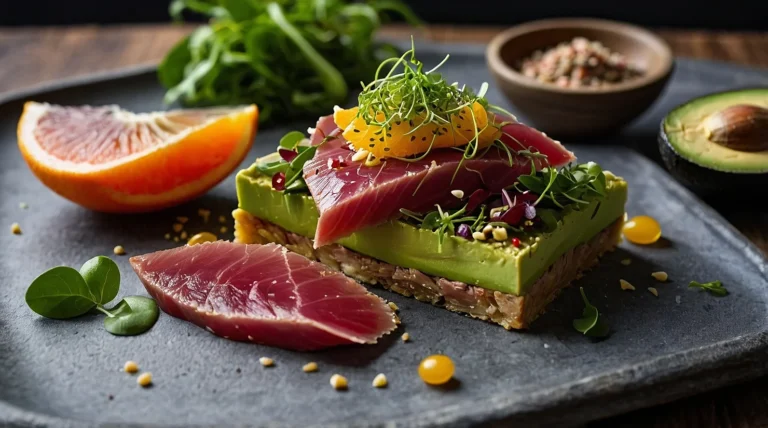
<point>119,250</point>
<point>184,235</point>
<point>167,236</point>
<point>222,219</point>
<point>386,149</point>
<point>653,291</point>
<point>479,236</point>
<point>393,306</point>
<point>223,229</point>
<point>175,239</point>
<point>145,379</point>
<point>626,262</point>
<point>338,382</point>
<point>380,381</point>
<point>309,367</point>
<point>356,130</point>
<point>660,276</point>
<point>177,227</point>
<point>204,213</point>
<point>500,234</point>
<point>406,337</point>
<point>182,220</point>
<point>131,367</point>
<point>381,139</point>
<point>266,361</point>
<point>457,193</point>
<point>626,285</point>
<point>16,229</point>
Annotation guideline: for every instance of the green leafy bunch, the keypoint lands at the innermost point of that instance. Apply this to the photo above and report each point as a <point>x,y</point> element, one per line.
<point>291,58</point>
<point>63,292</point>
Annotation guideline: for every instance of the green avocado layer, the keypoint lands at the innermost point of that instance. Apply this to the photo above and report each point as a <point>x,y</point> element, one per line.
<point>494,266</point>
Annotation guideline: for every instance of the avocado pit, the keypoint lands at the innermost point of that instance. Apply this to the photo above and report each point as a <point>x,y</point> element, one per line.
<point>742,127</point>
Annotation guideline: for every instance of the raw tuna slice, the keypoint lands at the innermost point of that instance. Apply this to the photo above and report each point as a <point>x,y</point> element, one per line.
<point>263,294</point>
<point>351,196</point>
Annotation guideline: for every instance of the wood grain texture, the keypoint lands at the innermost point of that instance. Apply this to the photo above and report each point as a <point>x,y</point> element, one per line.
<point>31,56</point>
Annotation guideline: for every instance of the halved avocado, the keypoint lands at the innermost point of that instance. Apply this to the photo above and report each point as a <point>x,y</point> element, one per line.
<point>718,142</point>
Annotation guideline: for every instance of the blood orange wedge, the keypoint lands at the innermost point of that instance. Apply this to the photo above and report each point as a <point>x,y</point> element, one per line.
<point>112,160</point>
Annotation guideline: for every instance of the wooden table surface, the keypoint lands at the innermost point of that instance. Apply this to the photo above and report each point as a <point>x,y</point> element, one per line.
<point>31,56</point>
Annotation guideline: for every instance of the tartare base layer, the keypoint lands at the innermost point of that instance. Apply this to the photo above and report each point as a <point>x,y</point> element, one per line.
<point>508,310</point>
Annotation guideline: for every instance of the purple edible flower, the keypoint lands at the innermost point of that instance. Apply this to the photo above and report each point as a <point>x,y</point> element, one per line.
<point>530,212</point>
<point>278,181</point>
<point>464,231</point>
<point>287,155</point>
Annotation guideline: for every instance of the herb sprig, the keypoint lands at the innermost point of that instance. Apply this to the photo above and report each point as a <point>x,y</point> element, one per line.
<point>565,186</point>
<point>286,166</point>
<point>591,323</point>
<point>714,287</point>
<point>62,293</point>
<point>292,59</point>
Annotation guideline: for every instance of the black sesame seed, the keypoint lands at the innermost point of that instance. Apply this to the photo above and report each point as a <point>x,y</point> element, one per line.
<point>356,130</point>
<point>458,126</point>
<point>389,135</point>
<point>397,122</point>
<point>381,139</point>
<point>372,139</point>
<point>371,145</point>
<point>423,138</point>
<point>386,149</point>
<point>413,137</point>
<point>410,122</point>
<point>445,129</point>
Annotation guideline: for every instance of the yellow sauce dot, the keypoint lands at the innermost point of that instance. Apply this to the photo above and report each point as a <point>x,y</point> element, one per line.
<point>202,237</point>
<point>436,369</point>
<point>642,230</point>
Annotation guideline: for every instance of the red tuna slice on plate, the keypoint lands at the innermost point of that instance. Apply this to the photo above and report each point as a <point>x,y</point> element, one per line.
<point>351,196</point>
<point>263,294</point>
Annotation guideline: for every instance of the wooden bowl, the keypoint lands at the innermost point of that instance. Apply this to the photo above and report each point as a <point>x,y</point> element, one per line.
<point>566,112</point>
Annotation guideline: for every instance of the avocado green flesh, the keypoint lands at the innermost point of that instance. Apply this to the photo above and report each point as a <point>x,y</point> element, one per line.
<point>688,137</point>
<point>503,268</point>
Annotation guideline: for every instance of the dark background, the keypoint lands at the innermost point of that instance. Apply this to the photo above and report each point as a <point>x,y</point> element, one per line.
<point>704,14</point>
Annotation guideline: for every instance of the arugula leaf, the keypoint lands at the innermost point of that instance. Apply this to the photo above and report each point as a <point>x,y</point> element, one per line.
<point>714,287</point>
<point>60,293</point>
<point>292,139</point>
<point>102,276</point>
<point>292,59</point>
<point>133,315</point>
<point>590,324</point>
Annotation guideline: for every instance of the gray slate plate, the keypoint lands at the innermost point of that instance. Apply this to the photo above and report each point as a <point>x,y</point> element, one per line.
<point>61,373</point>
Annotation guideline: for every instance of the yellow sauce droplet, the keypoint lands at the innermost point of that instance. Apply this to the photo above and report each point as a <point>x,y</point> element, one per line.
<point>202,237</point>
<point>436,369</point>
<point>642,230</point>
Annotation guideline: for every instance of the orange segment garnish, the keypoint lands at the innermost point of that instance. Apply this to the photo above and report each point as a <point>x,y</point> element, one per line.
<point>399,139</point>
<point>112,160</point>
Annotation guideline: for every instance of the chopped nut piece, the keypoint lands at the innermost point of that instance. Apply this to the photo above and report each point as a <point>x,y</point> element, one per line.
<point>338,382</point>
<point>266,361</point>
<point>183,235</point>
<point>660,276</point>
<point>131,367</point>
<point>626,285</point>
<point>500,234</point>
<point>223,229</point>
<point>380,381</point>
<point>488,228</point>
<point>457,193</point>
<point>222,219</point>
<point>168,236</point>
<point>177,227</point>
<point>119,250</point>
<point>393,306</point>
<point>182,219</point>
<point>678,299</point>
<point>406,337</point>
<point>16,229</point>
<point>175,239</point>
<point>309,367</point>
<point>479,236</point>
<point>145,379</point>
<point>360,155</point>
<point>654,291</point>
<point>626,262</point>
